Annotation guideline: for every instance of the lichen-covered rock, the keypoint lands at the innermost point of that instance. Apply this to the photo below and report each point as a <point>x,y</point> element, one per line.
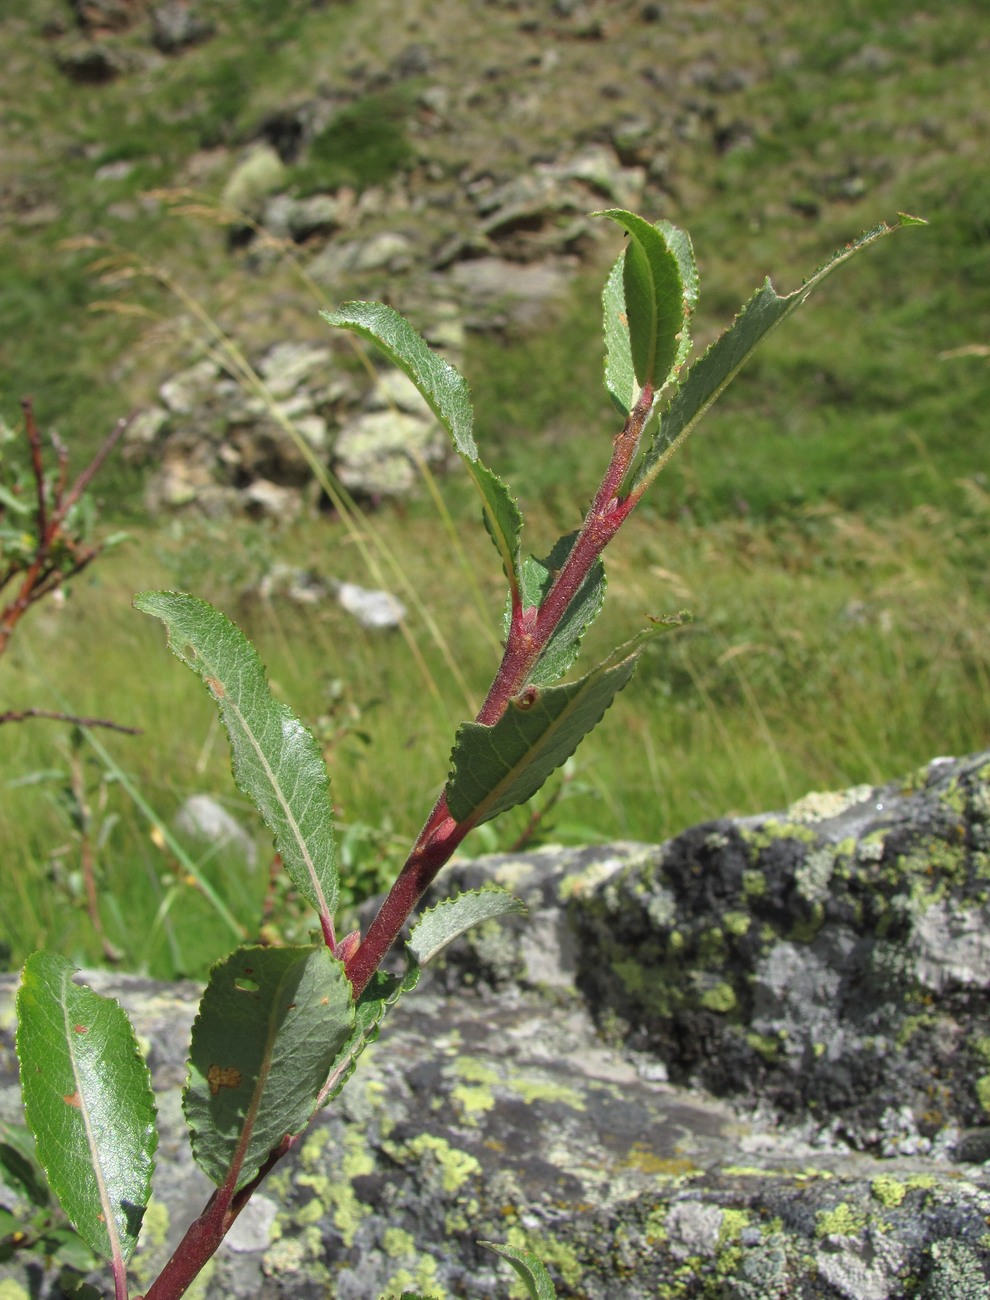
<point>491,1109</point>
<point>831,963</point>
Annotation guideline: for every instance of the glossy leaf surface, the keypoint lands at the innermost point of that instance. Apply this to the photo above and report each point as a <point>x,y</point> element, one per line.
<point>706,379</point>
<point>657,302</point>
<point>88,1101</point>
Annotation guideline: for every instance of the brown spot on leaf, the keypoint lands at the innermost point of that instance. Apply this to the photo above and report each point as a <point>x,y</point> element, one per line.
<point>216,686</point>
<point>222,1076</point>
<point>73,1099</point>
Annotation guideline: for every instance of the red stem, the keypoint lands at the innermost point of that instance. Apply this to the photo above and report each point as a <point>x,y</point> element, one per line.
<point>529,634</point>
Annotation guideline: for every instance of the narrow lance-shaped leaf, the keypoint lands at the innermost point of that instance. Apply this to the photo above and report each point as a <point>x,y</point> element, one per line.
<point>275,759</point>
<point>718,367</point>
<point>565,642</point>
<point>494,768</point>
<point>446,392</point>
<point>657,302</point>
<point>530,1268</point>
<point>88,1101</point>
<point>502,518</point>
<point>271,1023</point>
<point>453,916</point>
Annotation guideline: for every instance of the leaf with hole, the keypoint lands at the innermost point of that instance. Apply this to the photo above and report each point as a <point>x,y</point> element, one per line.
<point>270,1025</point>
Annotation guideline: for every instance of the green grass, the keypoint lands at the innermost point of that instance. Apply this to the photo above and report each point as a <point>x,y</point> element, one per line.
<point>365,144</point>
<point>828,527</point>
<point>823,652</point>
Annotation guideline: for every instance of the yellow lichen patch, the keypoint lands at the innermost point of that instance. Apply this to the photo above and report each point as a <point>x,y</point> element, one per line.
<point>554,1253</point>
<point>733,1222</point>
<point>668,1167</point>
<point>337,1197</point>
<point>737,923</point>
<point>842,1221</point>
<point>888,1191</point>
<point>531,1089</point>
<point>721,998</point>
<point>983,1091</point>
<point>473,1099</point>
<point>474,1095</point>
<point>456,1166</point>
<point>422,1281</point>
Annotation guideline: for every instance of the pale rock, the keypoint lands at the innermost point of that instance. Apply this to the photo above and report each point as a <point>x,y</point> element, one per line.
<point>187,391</point>
<point>202,817</point>
<point>287,366</point>
<point>374,610</point>
<point>376,453</point>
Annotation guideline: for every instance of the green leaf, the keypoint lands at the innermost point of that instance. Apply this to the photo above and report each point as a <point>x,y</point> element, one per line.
<point>69,1249</point>
<point>275,759</point>
<point>659,287</point>
<point>502,518</point>
<point>620,376</point>
<point>444,389</point>
<point>721,363</point>
<point>529,1267</point>
<point>381,993</point>
<point>495,768</point>
<point>19,1168</point>
<point>537,579</point>
<point>451,917</point>
<point>88,1101</point>
<point>271,1022</point>
<point>19,505</point>
<point>446,392</point>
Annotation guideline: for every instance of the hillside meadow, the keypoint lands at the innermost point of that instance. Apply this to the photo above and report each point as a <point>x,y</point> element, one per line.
<point>827,528</point>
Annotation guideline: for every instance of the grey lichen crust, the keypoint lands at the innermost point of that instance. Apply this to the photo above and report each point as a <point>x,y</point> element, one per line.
<point>493,1108</point>
<point>835,972</point>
